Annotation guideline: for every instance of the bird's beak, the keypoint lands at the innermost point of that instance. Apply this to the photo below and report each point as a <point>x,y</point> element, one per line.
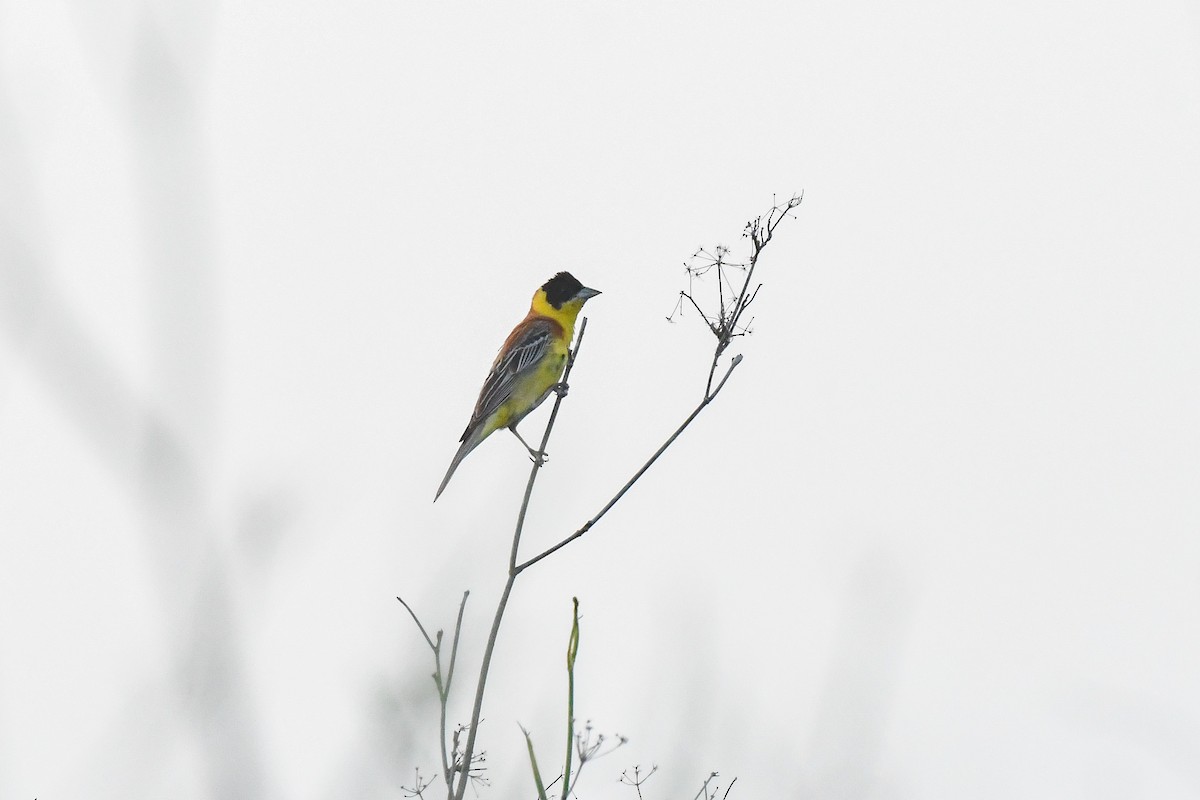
<point>585,293</point>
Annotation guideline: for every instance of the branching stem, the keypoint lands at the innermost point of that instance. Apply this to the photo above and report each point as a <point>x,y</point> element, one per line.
<point>587,526</point>
<point>442,682</point>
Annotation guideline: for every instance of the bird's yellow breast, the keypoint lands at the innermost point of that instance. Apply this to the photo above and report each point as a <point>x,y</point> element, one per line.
<point>531,391</point>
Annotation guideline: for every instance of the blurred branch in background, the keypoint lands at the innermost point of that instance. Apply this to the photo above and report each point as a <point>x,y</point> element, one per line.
<point>160,448</point>
<point>637,779</point>
<point>710,789</point>
<point>443,680</point>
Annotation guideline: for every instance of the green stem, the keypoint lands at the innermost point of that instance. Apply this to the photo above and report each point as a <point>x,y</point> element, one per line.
<point>537,776</point>
<point>572,650</point>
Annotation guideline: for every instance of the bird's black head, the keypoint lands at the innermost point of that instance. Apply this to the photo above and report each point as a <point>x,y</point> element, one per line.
<point>561,288</point>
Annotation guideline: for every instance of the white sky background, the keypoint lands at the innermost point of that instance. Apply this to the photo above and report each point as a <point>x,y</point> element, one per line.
<point>936,539</point>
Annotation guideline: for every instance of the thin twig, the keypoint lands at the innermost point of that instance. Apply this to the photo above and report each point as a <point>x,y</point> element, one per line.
<point>587,526</point>
<point>736,360</point>
<point>429,641</point>
<point>712,370</point>
<point>419,786</point>
<point>442,683</point>
<point>444,693</point>
<point>637,780</point>
<point>704,787</point>
<point>454,645</point>
<point>699,310</point>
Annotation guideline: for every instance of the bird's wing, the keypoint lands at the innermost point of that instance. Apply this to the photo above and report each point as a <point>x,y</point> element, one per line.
<point>522,351</point>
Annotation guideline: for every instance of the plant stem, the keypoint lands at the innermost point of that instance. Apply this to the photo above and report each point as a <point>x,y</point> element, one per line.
<point>513,572</point>
<point>572,650</point>
<point>587,526</point>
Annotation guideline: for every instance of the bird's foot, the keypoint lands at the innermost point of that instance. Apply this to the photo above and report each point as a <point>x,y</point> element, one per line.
<point>535,456</point>
<point>560,389</point>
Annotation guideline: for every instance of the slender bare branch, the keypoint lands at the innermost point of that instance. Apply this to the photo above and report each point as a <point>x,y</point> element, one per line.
<point>638,779</point>
<point>711,324</point>
<point>421,627</point>
<point>454,644</point>
<point>419,786</point>
<point>587,526</point>
<point>703,793</point>
<point>444,692</point>
<point>736,360</point>
<point>442,681</point>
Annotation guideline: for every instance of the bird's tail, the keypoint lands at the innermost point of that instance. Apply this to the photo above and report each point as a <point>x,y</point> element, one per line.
<point>469,444</point>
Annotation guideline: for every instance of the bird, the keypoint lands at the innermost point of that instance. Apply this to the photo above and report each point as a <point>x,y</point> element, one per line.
<point>527,368</point>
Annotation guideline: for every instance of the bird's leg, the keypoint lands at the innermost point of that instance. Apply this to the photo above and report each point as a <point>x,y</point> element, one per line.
<point>560,389</point>
<point>538,458</point>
